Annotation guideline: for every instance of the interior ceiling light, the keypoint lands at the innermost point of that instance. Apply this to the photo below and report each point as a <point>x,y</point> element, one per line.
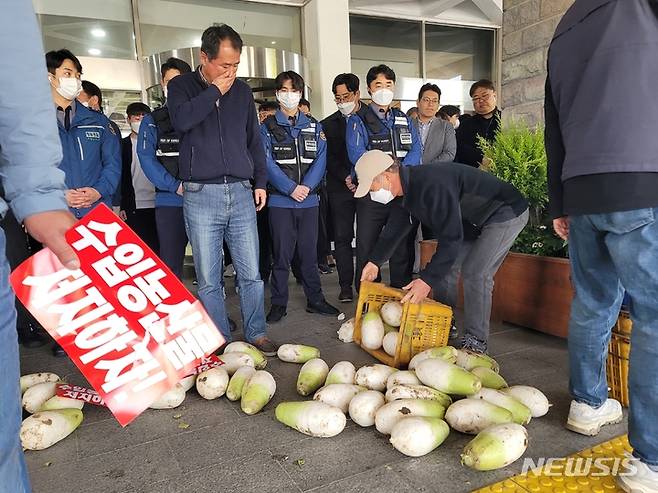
<point>273,42</point>
<point>94,51</point>
<point>98,33</point>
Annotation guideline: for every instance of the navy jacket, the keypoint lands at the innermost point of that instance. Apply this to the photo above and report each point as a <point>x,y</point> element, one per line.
<point>92,156</point>
<point>220,134</point>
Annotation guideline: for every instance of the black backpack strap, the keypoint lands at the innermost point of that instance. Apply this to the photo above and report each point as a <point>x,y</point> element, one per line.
<point>275,129</point>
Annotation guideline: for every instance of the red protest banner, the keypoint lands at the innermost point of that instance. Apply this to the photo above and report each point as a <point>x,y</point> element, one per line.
<point>79,394</point>
<point>124,319</point>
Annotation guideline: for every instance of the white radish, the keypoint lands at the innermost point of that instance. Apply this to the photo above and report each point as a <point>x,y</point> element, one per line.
<point>257,392</point>
<point>447,353</point>
<point>338,395</point>
<point>470,359</point>
<point>297,353</point>
<point>346,331</point>
<point>56,402</point>
<point>188,382</point>
<point>496,447</point>
<point>341,372</point>
<point>260,360</point>
<point>171,399</point>
<point>233,361</point>
<point>364,406</point>
<point>37,395</point>
<point>391,312</point>
<point>372,331</point>
<point>238,381</point>
<point>489,378</point>
<point>312,376</point>
<point>473,415</point>
<point>390,343</point>
<point>418,435</point>
<point>374,377</point>
<point>404,377</point>
<point>520,411</point>
<point>447,377</point>
<point>533,398</point>
<point>312,418</point>
<point>417,392</point>
<point>32,379</point>
<point>43,429</point>
<point>211,384</point>
<point>389,414</point>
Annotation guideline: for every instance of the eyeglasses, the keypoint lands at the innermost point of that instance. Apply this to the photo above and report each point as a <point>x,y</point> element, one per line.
<point>484,97</point>
<point>429,101</point>
<point>344,98</point>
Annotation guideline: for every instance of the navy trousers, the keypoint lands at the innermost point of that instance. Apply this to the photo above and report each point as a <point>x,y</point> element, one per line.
<point>292,228</point>
<point>173,238</point>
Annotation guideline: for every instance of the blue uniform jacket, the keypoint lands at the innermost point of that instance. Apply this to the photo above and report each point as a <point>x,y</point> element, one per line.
<point>277,177</point>
<point>356,137</point>
<point>92,155</point>
<point>165,184</point>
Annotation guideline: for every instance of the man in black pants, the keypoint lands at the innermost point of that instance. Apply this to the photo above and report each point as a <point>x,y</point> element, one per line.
<point>340,187</point>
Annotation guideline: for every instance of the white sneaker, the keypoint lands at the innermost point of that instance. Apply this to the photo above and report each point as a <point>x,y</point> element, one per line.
<point>644,480</point>
<point>587,420</point>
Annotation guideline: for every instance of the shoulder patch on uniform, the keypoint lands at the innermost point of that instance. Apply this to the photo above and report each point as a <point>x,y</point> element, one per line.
<point>110,127</point>
<point>323,136</point>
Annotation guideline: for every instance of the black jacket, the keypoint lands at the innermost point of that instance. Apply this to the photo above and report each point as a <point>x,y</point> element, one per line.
<point>468,150</point>
<point>339,166</point>
<point>219,134</point>
<point>446,197</point>
<point>126,185</point>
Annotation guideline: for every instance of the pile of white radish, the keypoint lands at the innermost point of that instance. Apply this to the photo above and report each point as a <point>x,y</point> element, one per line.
<point>415,406</point>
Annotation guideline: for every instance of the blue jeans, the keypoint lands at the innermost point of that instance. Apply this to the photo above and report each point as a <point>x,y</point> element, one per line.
<point>13,472</point>
<point>608,251</point>
<point>215,213</point>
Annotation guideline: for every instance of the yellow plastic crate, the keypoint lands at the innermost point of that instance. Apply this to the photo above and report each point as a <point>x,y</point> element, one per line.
<point>423,325</point>
<point>618,356</point>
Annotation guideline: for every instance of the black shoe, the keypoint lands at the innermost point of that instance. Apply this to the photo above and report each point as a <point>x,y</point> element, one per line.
<point>321,307</point>
<point>58,351</point>
<point>232,325</point>
<point>30,337</point>
<point>277,312</point>
<point>346,295</point>
<point>325,269</point>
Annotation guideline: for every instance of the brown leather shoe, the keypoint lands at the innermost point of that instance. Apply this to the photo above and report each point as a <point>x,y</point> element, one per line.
<point>265,346</point>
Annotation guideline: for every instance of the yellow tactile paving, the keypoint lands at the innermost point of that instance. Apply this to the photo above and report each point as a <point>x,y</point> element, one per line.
<point>558,482</point>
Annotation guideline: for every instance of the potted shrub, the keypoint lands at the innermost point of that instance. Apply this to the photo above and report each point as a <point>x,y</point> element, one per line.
<point>532,287</point>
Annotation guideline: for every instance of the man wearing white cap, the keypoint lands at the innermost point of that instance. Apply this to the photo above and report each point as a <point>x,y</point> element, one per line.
<point>476,218</point>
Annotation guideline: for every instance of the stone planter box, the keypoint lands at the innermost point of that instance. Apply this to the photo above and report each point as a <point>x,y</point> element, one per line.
<point>529,290</point>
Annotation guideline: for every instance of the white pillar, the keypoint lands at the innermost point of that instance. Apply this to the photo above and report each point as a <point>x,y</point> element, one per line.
<point>327,48</point>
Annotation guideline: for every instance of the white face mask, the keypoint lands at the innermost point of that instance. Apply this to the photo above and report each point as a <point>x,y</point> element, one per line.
<point>135,126</point>
<point>290,100</point>
<point>382,196</point>
<point>85,104</point>
<point>383,97</point>
<point>457,123</point>
<point>69,87</point>
<point>346,108</point>
<point>164,91</point>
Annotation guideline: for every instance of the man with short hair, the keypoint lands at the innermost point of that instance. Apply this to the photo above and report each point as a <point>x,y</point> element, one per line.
<point>447,198</point>
<point>380,126</point>
<point>157,149</point>
<point>34,189</point>
<point>340,187</point>
<point>268,108</point>
<point>91,96</point>
<point>603,197</point>
<point>305,106</point>
<point>220,151</point>
<point>295,148</point>
<point>484,123</point>
<point>137,191</point>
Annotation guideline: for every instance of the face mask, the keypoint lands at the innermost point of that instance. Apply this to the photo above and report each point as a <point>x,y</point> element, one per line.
<point>382,196</point>
<point>456,124</point>
<point>383,97</point>
<point>69,87</point>
<point>164,91</point>
<point>135,126</point>
<point>290,100</point>
<point>346,108</point>
<point>85,104</point>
